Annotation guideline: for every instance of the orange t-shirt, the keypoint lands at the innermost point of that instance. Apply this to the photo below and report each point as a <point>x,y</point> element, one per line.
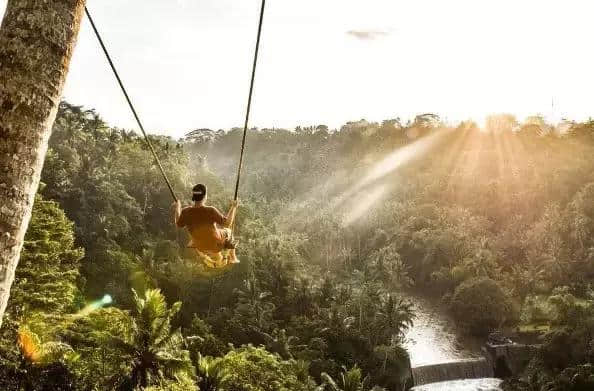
<point>201,222</point>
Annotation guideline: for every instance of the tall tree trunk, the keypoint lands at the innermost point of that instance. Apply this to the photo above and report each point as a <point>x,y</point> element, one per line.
<point>37,38</point>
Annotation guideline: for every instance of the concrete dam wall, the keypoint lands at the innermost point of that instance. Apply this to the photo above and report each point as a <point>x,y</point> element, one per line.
<point>509,359</point>
<point>463,369</point>
<point>500,361</point>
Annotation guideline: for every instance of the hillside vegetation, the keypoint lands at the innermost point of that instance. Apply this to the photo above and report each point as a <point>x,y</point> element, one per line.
<point>336,229</point>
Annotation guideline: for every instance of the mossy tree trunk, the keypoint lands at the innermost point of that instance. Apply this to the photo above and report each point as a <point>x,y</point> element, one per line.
<point>37,38</point>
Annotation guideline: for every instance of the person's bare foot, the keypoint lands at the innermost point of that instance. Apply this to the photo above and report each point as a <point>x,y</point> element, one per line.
<point>232,258</point>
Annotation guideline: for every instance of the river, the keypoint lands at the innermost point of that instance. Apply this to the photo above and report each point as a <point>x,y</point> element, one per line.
<point>433,340</point>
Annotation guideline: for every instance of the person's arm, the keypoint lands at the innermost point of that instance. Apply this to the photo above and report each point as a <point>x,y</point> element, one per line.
<point>226,221</point>
<point>177,213</point>
<point>230,218</point>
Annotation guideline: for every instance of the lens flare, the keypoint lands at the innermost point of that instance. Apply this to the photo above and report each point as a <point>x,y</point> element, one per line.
<point>106,300</point>
<point>94,306</point>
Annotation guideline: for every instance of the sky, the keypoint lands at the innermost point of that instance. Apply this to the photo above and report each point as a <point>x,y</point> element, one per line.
<point>187,63</point>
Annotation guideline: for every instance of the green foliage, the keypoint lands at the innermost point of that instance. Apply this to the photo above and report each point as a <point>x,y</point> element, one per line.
<point>181,383</point>
<point>535,311</point>
<point>481,305</point>
<point>154,351</point>
<point>212,374</point>
<point>570,342</point>
<point>45,290</point>
<point>202,341</point>
<point>100,364</point>
<point>349,380</point>
<point>255,369</point>
<point>47,279</point>
<point>105,180</point>
<point>120,351</point>
<point>333,225</point>
<point>580,378</point>
<point>34,351</point>
<point>564,359</point>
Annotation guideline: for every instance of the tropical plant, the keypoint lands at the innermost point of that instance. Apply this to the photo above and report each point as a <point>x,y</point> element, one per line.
<point>349,380</point>
<point>43,365</point>
<point>211,373</point>
<point>154,351</point>
<point>392,319</point>
<point>252,303</point>
<point>482,306</point>
<point>254,369</point>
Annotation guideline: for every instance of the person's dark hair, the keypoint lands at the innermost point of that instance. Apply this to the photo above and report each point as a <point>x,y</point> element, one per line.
<point>198,192</point>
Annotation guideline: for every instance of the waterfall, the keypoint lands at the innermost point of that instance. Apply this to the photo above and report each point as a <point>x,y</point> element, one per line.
<point>462,369</point>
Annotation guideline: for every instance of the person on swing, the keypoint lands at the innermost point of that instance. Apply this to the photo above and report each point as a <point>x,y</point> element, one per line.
<point>209,229</point>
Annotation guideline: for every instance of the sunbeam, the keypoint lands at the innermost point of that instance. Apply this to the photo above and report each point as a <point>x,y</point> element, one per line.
<point>362,202</point>
<point>391,163</point>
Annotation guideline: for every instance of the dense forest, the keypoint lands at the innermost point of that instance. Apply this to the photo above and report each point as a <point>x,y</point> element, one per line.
<point>337,229</point>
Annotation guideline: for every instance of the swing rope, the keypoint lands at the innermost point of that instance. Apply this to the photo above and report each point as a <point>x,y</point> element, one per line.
<point>249,104</point>
<point>146,138</point>
<point>117,76</point>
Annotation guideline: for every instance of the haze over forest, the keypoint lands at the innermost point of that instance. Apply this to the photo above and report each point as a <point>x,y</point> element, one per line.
<point>338,233</point>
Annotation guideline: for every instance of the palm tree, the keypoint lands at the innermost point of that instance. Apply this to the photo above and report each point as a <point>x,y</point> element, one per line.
<point>279,342</point>
<point>42,363</point>
<point>388,267</point>
<point>393,318</point>
<point>145,274</point>
<point>37,39</point>
<point>326,292</point>
<point>211,373</point>
<point>303,297</point>
<point>350,380</point>
<point>367,294</point>
<point>34,351</point>
<point>252,303</point>
<point>153,349</point>
<point>525,279</point>
<point>335,323</point>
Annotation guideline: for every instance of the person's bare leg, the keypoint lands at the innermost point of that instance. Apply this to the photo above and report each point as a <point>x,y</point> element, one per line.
<point>219,259</point>
<point>205,258</point>
<point>232,257</point>
<point>228,242</point>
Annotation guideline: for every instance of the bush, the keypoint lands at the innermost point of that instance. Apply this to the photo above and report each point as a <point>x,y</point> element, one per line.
<point>481,305</point>
<point>255,369</point>
<point>535,311</point>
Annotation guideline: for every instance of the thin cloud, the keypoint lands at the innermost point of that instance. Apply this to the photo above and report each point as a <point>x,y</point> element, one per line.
<point>367,35</point>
